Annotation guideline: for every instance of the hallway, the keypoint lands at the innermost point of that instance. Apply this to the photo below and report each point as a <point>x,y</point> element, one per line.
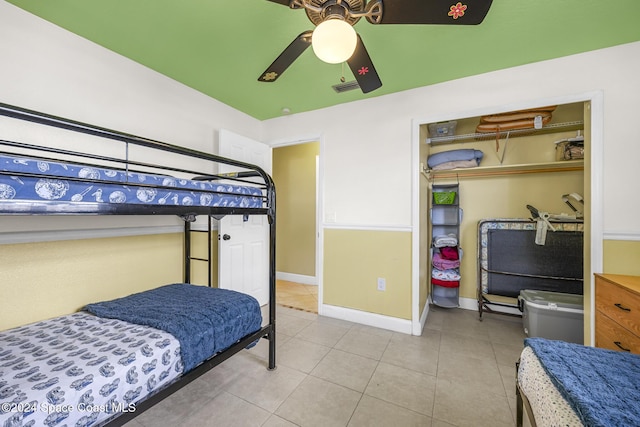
<point>297,296</point>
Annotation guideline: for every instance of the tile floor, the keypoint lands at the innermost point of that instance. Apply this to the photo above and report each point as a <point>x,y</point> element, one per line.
<point>296,295</point>
<point>460,372</point>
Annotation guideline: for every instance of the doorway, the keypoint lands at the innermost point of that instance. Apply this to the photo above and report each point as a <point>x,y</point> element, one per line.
<point>295,173</point>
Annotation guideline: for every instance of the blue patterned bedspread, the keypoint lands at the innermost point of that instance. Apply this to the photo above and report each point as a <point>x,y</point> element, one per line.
<point>205,320</point>
<point>602,386</point>
<point>33,179</point>
<point>81,370</point>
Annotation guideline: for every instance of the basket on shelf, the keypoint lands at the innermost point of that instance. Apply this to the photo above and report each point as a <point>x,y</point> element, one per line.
<point>444,197</point>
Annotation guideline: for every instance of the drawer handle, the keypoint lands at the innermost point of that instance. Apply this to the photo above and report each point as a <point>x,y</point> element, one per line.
<point>621,307</point>
<point>621,347</point>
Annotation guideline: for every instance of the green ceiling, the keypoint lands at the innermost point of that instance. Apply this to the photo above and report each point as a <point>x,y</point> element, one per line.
<point>220,47</point>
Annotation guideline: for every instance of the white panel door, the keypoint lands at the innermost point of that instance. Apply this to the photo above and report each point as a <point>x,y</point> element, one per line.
<point>243,244</point>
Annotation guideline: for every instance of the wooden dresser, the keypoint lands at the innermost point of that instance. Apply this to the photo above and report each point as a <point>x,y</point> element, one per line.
<point>618,312</point>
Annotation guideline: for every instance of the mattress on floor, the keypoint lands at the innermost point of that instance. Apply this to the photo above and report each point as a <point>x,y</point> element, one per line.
<point>81,369</point>
<point>30,179</point>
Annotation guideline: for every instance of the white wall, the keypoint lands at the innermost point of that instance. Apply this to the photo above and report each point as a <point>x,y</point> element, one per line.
<point>49,69</point>
<point>370,141</point>
<point>46,68</point>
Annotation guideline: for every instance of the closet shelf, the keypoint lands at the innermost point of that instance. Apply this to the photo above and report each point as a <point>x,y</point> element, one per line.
<point>489,171</point>
<point>471,137</point>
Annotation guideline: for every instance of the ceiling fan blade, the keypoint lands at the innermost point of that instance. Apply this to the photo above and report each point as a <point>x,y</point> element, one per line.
<point>452,12</point>
<point>282,2</point>
<point>286,58</point>
<point>363,69</point>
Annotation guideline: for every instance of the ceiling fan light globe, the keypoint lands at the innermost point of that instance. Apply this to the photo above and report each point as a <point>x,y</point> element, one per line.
<point>334,41</point>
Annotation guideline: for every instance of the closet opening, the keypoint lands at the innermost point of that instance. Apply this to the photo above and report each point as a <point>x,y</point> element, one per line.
<point>501,168</point>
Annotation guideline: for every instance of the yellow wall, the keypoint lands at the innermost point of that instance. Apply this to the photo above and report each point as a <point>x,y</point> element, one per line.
<point>353,262</point>
<point>199,250</point>
<point>43,280</point>
<point>294,173</point>
<point>621,257</point>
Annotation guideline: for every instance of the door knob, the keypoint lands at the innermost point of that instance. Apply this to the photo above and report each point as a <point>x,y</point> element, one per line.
<point>226,237</point>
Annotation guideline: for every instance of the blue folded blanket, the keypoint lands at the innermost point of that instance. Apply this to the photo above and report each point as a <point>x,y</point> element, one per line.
<point>454,156</point>
<point>602,386</point>
<point>204,320</point>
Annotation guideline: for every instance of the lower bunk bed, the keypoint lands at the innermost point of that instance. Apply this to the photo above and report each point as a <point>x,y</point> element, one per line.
<point>567,384</point>
<point>114,357</point>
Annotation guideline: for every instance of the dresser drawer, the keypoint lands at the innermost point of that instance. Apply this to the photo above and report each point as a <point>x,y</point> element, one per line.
<point>618,304</point>
<point>611,335</point>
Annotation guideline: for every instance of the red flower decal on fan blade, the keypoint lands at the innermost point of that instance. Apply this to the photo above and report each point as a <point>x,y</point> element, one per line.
<point>364,70</point>
<point>457,10</point>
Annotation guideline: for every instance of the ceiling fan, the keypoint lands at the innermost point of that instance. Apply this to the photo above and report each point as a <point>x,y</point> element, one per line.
<point>334,20</point>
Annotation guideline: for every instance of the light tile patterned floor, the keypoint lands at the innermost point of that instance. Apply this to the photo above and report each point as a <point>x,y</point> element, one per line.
<point>460,372</point>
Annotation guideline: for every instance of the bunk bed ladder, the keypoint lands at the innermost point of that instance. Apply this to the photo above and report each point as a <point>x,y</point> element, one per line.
<point>187,249</point>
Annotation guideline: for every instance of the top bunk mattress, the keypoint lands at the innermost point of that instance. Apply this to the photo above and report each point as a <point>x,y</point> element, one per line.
<point>42,180</point>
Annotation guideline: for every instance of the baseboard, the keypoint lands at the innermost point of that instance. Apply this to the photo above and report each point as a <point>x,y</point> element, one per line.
<point>423,319</point>
<point>365,318</point>
<point>468,303</point>
<point>297,278</point>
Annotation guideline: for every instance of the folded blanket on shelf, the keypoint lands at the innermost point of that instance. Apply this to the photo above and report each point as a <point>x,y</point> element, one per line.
<point>446,283</point>
<point>445,240</point>
<point>442,263</point>
<point>454,156</point>
<point>456,164</point>
<point>449,275</point>
<point>450,253</point>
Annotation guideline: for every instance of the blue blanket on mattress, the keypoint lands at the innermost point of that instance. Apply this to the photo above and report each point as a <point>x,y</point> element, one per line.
<point>204,320</point>
<point>602,386</point>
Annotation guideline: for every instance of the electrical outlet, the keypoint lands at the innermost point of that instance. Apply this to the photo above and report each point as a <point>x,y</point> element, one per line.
<point>382,284</point>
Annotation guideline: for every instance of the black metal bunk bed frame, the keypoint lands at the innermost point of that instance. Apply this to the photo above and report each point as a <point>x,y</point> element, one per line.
<point>187,213</point>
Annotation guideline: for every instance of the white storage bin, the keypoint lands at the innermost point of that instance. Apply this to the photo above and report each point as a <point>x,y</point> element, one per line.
<point>441,129</point>
<point>552,315</point>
